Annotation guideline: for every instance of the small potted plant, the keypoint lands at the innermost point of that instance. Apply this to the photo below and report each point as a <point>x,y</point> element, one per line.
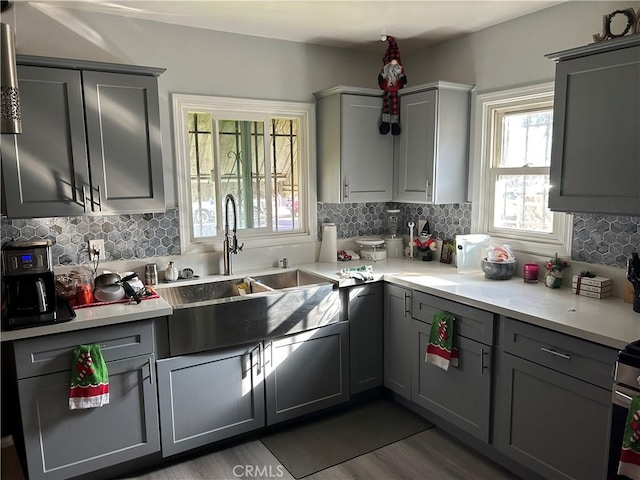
<point>553,278</point>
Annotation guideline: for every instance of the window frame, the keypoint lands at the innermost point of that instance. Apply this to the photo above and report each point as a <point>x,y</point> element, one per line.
<point>240,109</point>
<point>487,106</point>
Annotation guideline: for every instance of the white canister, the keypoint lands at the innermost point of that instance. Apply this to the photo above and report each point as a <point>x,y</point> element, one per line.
<point>395,247</point>
<point>171,274</point>
<point>329,245</point>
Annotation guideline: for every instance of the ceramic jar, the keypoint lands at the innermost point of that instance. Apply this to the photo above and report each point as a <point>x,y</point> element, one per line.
<point>553,278</point>
<point>171,274</point>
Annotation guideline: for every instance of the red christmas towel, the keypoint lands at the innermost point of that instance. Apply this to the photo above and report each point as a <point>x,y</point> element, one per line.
<point>630,456</point>
<point>442,350</point>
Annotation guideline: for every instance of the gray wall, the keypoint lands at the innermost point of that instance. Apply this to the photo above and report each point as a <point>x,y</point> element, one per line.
<point>512,53</point>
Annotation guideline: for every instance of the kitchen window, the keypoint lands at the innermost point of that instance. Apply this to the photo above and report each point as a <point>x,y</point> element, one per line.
<point>511,187</point>
<point>258,151</point>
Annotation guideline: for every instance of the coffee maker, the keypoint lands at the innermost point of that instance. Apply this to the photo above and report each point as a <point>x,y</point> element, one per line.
<point>30,289</point>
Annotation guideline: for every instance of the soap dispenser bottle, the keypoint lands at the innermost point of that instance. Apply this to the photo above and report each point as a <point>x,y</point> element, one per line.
<point>171,273</point>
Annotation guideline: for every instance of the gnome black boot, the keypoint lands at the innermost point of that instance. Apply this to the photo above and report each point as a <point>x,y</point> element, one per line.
<point>385,125</point>
<point>395,129</point>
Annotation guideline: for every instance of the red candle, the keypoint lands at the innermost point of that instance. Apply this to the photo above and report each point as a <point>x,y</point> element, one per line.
<point>530,273</point>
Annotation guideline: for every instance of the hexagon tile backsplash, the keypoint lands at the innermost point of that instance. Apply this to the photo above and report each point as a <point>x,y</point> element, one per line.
<point>605,240</point>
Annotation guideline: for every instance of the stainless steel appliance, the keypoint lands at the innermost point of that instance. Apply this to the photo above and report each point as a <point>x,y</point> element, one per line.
<point>29,286</point>
<point>626,386</point>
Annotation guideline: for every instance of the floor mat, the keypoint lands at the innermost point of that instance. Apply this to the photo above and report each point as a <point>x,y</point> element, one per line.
<point>326,441</point>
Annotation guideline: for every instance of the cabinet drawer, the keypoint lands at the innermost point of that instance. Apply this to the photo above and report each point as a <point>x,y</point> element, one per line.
<point>470,322</point>
<point>582,359</point>
<point>52,353</point>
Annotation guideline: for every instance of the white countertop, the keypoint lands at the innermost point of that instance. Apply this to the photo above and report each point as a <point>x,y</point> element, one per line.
<point>609,321</point>
<point>90,317</point>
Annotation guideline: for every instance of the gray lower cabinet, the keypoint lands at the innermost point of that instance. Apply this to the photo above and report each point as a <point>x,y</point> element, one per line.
<point>306,372</point>
<point>91,140</point>
<point>365,336</point>
<point>596,120</point>
<point>431,152</point>
<point>553,401</point>
<point>398,340</point>
<point>62,443</point>
<point>552,423</point>
<point>206,397</point>
<point>461,395</point>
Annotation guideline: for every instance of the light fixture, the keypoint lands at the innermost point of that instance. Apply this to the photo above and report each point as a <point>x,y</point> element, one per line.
<point>11,116</point>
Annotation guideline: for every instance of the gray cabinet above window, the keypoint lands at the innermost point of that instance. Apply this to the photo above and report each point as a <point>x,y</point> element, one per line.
<point>595,157</point>
<point>90,142</point>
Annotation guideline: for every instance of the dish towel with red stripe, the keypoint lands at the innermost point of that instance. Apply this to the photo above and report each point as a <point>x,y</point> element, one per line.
<point>630,456</point>
<point>89,378</point>
<point>442,350</point>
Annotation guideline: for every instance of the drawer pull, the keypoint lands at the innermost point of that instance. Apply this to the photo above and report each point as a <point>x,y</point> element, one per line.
<point>407,311</point>
<point>150,371</point>
<point>626,399</point>
<point>558,354</point>
<point>482,366</point>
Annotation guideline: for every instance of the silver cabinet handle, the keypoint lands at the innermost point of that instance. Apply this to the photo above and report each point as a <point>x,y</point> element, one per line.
<point>623,398</point>
<point>407,311</point>
<point>482,365</point>
<point>558,354</point>
<point>259,360</point>
<point>99,198</point>
<point>428,189</point>
<point>84,199</point>
<point>150,362</point>
<point>346,188</point>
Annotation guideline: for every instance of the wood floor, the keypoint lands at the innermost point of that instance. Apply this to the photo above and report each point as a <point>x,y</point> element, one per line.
<point>428,455</point>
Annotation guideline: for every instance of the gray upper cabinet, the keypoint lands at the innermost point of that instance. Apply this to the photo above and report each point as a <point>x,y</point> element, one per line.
<point>355,162</point>
<point>90,142</point>
<point>432,151</point>
<point>595,156</point>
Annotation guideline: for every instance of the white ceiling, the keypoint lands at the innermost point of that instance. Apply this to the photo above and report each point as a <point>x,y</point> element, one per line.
<point>353,23</point>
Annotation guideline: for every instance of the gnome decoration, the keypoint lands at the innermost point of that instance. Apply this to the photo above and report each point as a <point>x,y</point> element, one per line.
<point>391,79</point>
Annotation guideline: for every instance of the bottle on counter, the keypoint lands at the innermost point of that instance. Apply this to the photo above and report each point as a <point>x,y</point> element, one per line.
<point>151,274</point>
<point>171,274</point>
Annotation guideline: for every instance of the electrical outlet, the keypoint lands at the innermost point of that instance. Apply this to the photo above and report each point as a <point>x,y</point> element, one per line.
<point>96,246</point>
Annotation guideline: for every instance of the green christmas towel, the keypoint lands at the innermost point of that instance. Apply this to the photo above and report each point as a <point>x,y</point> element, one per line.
<point>630,455</point>
<point>89,378</point>
<point>442,350</point>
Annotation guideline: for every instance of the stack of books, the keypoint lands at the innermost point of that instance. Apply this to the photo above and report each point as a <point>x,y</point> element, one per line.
<point>594,287</point>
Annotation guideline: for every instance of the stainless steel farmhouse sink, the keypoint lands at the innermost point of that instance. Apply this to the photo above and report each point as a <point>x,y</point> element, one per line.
<point>214,314</point>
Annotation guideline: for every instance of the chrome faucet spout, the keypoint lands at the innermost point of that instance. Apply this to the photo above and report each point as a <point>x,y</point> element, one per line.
<point>230,247</point>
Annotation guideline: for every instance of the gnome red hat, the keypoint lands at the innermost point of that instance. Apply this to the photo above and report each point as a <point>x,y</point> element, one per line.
<point>391,79</point>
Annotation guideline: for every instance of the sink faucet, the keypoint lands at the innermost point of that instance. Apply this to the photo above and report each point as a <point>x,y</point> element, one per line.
<point>230,247</point>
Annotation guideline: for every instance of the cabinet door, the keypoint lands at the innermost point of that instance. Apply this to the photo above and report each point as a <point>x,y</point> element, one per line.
<point>595,151</point>
<point>397,340</point>
<point>45,169</point>
<point>549,422</point>
<point>209,396</point>
<point>123,133</point>
<point>63,443</point>
<point>307,372</point>
<point>367,156</point>
<point>417,147</point>
<point>365,336</point>
<point>460,395</point>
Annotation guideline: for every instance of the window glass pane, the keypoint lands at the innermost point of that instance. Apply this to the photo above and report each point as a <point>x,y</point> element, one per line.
<point>520,202</point>
<point>286,181</point>
<point>526,139</point>
<point>201,163</point>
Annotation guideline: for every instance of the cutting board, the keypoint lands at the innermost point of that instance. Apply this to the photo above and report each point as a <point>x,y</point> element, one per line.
<point>628,292</point>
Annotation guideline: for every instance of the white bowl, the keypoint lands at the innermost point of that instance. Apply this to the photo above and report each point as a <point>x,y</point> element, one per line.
<point>109,293</point>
